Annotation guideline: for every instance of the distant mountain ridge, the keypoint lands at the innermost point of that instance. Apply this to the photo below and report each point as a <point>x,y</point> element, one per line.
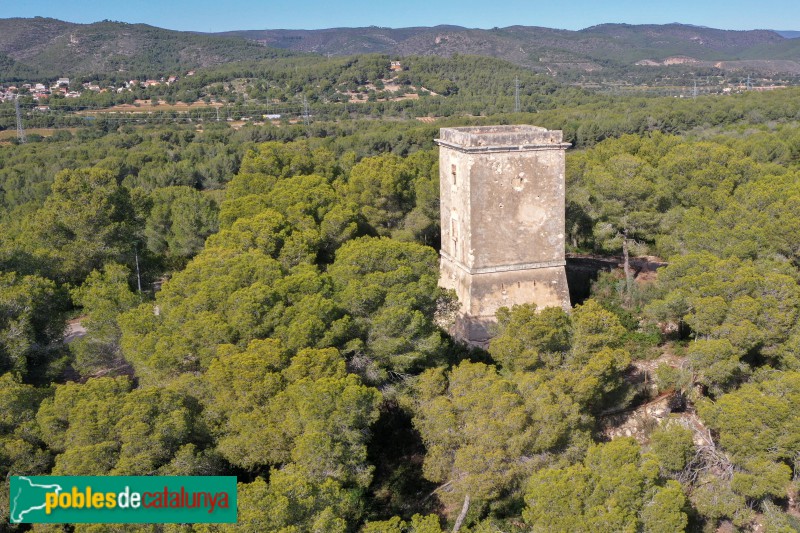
<point>546,48</point>
<point>50,47</point>
<point>53,47</point>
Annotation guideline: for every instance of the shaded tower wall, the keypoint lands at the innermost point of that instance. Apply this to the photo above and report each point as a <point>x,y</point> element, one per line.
<point>502,216</point>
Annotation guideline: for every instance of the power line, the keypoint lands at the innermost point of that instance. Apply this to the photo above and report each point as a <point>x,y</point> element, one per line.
<point>20,129</point>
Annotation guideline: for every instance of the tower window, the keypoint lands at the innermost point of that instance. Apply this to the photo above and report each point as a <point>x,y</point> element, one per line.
<point>453,172</point>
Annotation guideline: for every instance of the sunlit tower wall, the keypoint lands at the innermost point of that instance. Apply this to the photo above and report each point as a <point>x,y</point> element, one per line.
<point>502,216</point>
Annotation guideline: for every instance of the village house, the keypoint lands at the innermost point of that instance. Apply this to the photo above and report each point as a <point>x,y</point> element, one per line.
<point>8,94</point>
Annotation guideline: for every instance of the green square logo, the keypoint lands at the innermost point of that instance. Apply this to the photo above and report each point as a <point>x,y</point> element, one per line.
<point>122,499</point>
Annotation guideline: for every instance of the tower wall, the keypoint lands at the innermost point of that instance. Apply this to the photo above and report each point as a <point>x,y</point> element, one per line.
<point>502,219</point>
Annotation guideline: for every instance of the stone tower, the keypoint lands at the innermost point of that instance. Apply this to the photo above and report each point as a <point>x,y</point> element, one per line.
<point>502,214</point>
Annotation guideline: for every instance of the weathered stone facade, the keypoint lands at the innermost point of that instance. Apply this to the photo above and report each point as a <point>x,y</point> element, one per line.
<point>502,216</point>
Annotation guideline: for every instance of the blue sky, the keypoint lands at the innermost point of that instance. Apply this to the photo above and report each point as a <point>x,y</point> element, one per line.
<point>221,15</point>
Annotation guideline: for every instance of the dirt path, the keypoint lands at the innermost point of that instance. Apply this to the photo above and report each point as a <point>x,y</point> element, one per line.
<point>75,330</point>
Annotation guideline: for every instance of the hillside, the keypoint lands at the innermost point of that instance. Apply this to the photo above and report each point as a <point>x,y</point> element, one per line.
<point>49,47</point>
<point>14,70</point>
<point>53,47</point>
<point>551,49</point>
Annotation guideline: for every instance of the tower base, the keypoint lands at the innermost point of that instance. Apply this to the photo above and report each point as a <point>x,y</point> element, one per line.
<point>481,294</point>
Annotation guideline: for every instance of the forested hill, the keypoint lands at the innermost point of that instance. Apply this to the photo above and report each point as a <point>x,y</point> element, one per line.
<point>13,69</point>
<point>297,341</point>
<point>56,48</point>
<point>49,47</point>
<point>545,48</point>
